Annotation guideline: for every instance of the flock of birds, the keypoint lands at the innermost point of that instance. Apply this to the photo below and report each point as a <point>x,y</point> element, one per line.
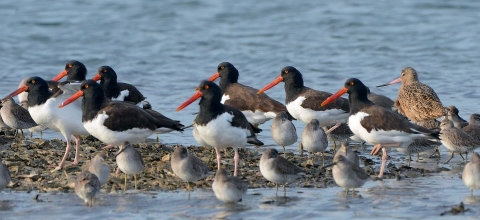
<point>229,115</point>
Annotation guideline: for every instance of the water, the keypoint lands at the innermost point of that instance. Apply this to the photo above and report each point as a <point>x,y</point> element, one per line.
<point>165,48</point>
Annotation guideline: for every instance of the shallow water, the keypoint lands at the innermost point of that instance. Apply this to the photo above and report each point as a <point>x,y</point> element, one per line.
<point>167,47</point>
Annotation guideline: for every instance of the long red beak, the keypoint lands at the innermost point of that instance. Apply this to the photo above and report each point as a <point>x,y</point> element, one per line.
<point>18,91</point>
<point>60,76</point>
<point>71,99</point>
<point>214,77</point>
<point>97,77</point>
<point>189,101</point>
<point>391,83</point>
<point>270,85</point>
<point>334,96</point>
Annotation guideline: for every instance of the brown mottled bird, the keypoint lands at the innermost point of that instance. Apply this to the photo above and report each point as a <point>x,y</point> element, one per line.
<point>416,100</point>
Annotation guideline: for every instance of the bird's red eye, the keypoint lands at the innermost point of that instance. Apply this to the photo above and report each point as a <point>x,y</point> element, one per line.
<point>206,87</point>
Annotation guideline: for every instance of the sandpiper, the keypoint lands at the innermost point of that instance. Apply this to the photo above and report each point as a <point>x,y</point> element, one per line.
<point>87,186</point>
<point>283,131</point>
<point>416,100</point>
<point>277,169</point>
<point>348,153</point>
<point>314,139</point>
<point>187,166</point>
<point>15,116</point>
<point>130,161</point>
<point>340,133</point>
<point>453,116</point>
<point>99,167</point>
<point>471,173</point>
<point>456,140</point>
<point>4,175</point>
<point>347,174</point>
<point>418,146</point>
<point>473,127</point>
<point>228,189</point>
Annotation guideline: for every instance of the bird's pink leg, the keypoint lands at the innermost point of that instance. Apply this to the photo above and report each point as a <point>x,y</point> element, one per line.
<point>108,147</point>
<point>384,162</point>
<point>236,157</point>
<point>60,166</point>
<point>77,148</point>
<point>333,128</point>
<point>219,155</point>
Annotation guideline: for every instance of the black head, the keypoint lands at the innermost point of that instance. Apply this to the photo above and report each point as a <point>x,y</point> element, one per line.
<point>76,71</point>
<point>107,73</point>
<point>210,91</point>
<point>292,76</point>
<point>227,72</point>
<point>356,89</point>
<point>90,89</point>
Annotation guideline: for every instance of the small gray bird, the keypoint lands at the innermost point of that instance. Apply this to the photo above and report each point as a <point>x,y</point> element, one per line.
<point>4,175</point>
<point>99,167</point>
<point>347,174</point>
<point>187,166</point>
<point>455,139</point>
<point>228,189</point>
<point>130,162</point>
<point>471,173</point>
<point>15,116</point>
<point>473,127</point>
<point>283,131</point>
<point>87,186</point>
<point>277,169</point>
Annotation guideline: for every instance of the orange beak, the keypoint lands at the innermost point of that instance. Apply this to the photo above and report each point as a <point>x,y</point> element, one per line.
<point>334,96</point>
<point>97,77</point>
<point>214,77</point>
<point>18,91</point>
<point>270,85</point>
<point>60,76</point>
<point>71,99</point>
<point>194,97</point>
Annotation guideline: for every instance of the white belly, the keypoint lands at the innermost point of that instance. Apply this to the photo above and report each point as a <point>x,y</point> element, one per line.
<point>326,118</point>
<point>219,133</point>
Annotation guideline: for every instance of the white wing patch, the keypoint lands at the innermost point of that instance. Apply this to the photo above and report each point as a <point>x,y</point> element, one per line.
<point>122,95</point>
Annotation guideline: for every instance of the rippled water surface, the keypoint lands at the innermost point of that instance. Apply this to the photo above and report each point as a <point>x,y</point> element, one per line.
<point>166,47</point>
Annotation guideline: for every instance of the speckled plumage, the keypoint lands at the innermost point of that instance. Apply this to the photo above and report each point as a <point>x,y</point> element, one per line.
<point>416,100</point>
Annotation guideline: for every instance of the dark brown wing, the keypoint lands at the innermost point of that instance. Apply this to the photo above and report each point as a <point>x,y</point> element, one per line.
<point>165,121</point>
<point>385,119</point>
<point>124,116</point>
<point>134,95</point>
<point>314,98</point>
<point>246,98</point>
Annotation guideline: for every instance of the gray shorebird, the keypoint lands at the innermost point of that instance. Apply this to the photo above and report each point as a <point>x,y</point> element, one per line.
<point>314,139</point>
<point>187,166</point>
<point>15,116</point>
<point>130,162</point>
<point>471,173</point>
<point>4,175</point>
<point>347,174</point>
<point>348,153</point>
<point>228,189</point>
<point>453,116</point>
<point>416,100</point>
<point>377,125</point>
<point>456,140</point>
<point>87,186</point>
<point>473,127</point>
<point>277,169</point>
<point>283,131</point>
<point>341,133</point>
<point>99,167</point>
<point>418,146</point>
